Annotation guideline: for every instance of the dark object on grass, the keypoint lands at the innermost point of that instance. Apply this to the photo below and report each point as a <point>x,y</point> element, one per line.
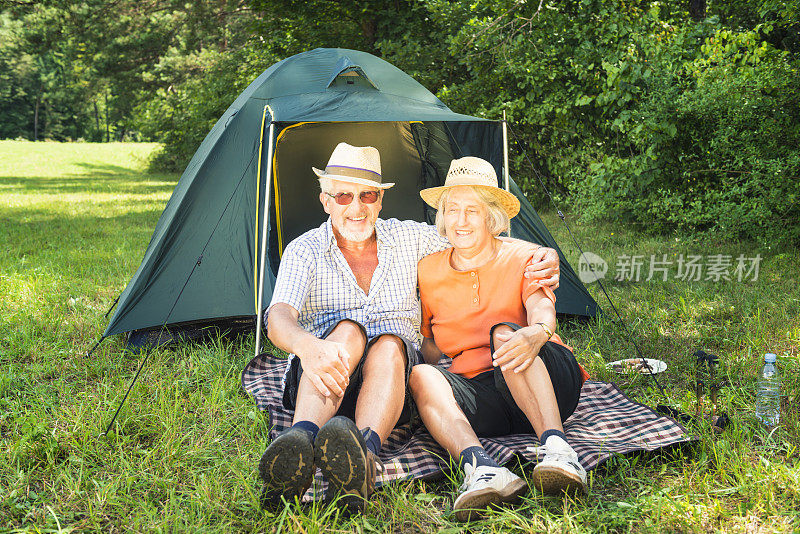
<point>706,366</point>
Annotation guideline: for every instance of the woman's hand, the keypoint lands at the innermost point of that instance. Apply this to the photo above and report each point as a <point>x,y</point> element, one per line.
<point>519,349</point>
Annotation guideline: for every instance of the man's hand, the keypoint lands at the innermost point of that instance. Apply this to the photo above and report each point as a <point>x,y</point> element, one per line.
<point>520,348</point>
<point>544,265</point>
<point>325,364</point>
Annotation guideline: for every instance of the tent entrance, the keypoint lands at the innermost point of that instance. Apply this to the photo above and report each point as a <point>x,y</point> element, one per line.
<point>304,145</point>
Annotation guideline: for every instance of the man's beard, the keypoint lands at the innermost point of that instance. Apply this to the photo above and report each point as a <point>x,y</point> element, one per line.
<point>357,236</point>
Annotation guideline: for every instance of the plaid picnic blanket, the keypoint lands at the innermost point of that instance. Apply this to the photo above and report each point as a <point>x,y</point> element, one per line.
<point>606,422</point>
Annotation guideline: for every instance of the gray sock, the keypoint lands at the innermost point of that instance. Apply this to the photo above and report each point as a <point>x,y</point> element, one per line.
<point>476,456</point>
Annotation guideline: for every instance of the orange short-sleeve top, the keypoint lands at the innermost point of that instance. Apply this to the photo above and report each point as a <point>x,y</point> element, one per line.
<point>460,307</point>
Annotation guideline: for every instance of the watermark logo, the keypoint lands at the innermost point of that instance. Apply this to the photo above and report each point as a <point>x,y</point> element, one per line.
<point>591,268</point>
<point>688,268</point>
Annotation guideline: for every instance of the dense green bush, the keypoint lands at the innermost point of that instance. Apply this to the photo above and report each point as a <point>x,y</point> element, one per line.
<point>714,143</point>
<point>634,113</point>
<point>183,113</point>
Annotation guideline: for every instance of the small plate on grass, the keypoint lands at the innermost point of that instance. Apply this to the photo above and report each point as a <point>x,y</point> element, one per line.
<point>637,365</point>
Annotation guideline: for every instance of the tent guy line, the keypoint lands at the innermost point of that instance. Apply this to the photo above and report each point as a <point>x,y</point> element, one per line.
<point>580,249</point>
<point>197,264</point>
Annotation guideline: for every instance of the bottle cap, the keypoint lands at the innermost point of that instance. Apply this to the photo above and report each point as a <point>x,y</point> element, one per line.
<point>770,358</point>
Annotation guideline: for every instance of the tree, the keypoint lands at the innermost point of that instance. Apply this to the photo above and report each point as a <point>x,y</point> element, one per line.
<point>697,9</point>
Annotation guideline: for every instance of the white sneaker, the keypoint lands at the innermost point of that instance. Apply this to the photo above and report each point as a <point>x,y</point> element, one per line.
<point>484,486</point>
<point>560,470</point>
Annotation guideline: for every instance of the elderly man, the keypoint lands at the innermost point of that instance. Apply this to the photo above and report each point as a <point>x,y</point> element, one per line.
<point>345,307</point>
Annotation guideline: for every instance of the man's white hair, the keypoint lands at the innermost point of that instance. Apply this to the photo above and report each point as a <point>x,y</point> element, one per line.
<point>497,220</point>
<point>326,184</point>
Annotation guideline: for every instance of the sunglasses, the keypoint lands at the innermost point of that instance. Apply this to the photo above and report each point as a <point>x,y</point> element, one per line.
<point>366,197</point>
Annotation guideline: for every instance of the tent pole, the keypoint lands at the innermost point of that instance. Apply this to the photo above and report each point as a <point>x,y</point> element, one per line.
<point>506,184</point>
<point>262,267</point>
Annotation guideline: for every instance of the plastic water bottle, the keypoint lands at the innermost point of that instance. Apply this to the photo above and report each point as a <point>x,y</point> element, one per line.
<point>768,398</point>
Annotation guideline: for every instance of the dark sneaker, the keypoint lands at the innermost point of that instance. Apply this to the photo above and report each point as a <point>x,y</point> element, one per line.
<point>341,453</point>
<point>287,466</point>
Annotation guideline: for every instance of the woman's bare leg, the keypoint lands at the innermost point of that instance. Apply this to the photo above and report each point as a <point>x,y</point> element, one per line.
<point>533,392</point>
<point>439,411</point>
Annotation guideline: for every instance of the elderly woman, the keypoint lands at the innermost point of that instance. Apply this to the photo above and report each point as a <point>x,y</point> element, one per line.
<point>510,373</point>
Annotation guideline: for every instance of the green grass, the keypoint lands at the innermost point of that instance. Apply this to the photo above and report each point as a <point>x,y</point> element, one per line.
<point>75,220</point>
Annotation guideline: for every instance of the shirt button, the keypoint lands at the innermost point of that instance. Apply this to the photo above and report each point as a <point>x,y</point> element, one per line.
<point>474,286</point>
<point>472,273</point>
<point>475,299</point>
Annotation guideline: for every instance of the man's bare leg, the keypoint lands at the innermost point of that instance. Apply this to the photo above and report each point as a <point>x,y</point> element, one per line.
<point>383,391</point>
<point>342,452</point>
<point>311,405</point>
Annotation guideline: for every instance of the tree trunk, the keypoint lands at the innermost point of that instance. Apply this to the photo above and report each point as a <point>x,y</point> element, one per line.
<point>697,9</point>
<point>96,117</point>
<point>108,131</point>
<point>369,27</point>
<point>36,118</point>
<point>45,117</point>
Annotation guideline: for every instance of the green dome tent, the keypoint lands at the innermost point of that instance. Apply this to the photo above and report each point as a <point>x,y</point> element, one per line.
<point>202,267</point>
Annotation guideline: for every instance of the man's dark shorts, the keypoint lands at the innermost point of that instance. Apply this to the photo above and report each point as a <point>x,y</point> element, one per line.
<point>348,406</point>
<point>489,406</point>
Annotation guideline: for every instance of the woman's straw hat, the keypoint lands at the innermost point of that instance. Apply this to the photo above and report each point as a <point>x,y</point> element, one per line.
<point>473,172</point>
<point>355,164</point>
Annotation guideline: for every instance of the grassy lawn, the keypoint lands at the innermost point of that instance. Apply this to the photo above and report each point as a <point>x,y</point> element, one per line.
<point>74,223</point>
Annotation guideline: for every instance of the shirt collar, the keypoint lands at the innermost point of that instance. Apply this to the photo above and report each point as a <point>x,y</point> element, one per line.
<point>382,233</point>
<point>327,233</point>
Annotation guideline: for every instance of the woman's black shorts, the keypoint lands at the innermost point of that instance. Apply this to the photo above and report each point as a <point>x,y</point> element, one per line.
<point>487,402</point>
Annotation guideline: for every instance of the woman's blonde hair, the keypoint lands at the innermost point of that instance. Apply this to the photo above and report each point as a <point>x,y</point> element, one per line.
<point>497,220</point>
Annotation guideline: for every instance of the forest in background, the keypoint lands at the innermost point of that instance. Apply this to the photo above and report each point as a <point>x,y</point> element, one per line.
<point>671,115</point>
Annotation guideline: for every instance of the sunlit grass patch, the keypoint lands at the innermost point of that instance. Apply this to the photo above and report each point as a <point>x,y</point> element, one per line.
<point>182,457</point>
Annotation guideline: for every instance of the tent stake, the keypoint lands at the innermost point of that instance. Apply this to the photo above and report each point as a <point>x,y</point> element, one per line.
<point>263,262</point>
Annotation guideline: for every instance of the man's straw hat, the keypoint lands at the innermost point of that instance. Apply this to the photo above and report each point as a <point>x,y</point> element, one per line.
<point>473,172</point>
<point>355,164</point>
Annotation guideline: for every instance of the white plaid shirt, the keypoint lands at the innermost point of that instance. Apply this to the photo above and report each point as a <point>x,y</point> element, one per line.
<point>315,279</point>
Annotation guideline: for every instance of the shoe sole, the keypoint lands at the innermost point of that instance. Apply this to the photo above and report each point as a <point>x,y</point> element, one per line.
<point>474,505</point>
<point>339,452</point>
<point>554,480</point>
<point>286,467</point>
